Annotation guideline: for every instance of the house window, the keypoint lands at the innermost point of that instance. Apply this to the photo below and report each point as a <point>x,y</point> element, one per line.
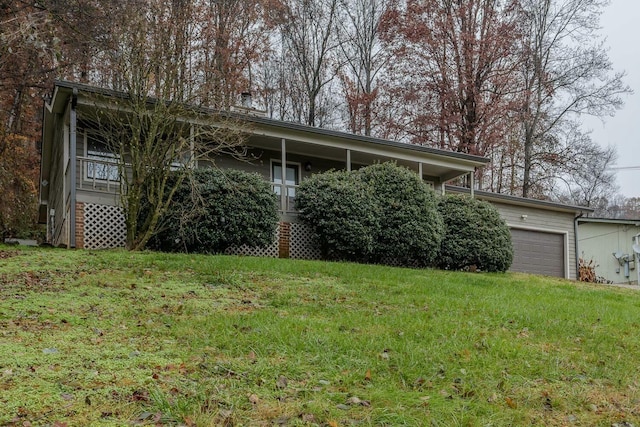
<point>291,181</point>
<point>105,164</point>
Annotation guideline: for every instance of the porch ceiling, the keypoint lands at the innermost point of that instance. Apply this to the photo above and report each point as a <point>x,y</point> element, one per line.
<point>434,166</point>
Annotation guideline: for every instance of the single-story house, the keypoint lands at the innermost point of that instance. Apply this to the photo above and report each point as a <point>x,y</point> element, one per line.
<point>79,183</point>
<point>612,246</point>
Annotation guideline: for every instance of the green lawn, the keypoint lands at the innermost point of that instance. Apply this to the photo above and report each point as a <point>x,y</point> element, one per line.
<point>115,338</point>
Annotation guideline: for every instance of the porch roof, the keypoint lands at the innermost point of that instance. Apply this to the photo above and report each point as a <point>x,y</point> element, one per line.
<point>268,133</point>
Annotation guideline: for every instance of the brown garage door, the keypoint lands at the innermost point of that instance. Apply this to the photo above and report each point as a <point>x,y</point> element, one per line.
<point>538,252</point>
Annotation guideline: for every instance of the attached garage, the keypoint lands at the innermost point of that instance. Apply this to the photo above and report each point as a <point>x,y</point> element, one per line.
<point>543,233</point>
<point>538,252</point>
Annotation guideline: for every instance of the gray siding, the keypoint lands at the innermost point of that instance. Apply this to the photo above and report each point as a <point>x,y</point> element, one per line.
<point>259,161</point>
<point>543,220</point>
<point>57,190</point>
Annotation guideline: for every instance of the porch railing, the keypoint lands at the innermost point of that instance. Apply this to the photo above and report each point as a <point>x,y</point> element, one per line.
<point>98,175</point>
<point>102,176</point>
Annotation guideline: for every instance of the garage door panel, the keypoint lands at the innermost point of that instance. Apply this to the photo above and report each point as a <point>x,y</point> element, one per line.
<point>538,252</point>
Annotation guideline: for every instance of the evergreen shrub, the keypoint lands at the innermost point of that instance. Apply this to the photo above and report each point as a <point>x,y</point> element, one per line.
<point>342,214</point>
<point>476,236</point>
<point>218,209</point>
<point>412,228</point>
<point>381,213</point>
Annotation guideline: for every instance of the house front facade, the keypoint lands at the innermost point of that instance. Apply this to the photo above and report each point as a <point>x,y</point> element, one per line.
<point>79,188</point>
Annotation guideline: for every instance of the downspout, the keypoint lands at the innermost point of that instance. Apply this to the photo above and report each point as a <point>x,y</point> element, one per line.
<point>72,168</point>
<point>575,241</point>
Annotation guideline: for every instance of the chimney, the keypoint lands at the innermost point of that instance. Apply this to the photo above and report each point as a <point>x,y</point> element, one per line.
<point>245,98</point>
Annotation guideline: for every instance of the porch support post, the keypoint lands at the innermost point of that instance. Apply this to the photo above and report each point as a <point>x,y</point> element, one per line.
<point>348,160</point>
<point>283,173</point>
<point>72,168</point>
<point>471,182</point>
<point>420,170</point>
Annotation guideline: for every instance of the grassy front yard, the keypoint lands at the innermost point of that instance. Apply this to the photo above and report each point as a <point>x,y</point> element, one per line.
<point>114,338</point>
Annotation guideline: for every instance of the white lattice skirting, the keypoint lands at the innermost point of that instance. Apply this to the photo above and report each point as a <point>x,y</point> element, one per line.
<point>302,245</point>
<point>103,227</point>
<point>270,251</point>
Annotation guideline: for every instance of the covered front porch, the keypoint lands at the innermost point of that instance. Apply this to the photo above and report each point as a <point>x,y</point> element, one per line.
<point>305,151</point>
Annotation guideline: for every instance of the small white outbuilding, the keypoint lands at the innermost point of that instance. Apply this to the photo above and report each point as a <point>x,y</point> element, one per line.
<point>614,247</point>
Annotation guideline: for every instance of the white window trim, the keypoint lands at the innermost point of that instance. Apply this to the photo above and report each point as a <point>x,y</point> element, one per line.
<point>278,161</point>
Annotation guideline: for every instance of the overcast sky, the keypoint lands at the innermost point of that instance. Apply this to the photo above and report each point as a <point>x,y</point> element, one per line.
<point>620,25</point>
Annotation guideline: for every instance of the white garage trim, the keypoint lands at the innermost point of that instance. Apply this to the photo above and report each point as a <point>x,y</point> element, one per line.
<point>564,233</point>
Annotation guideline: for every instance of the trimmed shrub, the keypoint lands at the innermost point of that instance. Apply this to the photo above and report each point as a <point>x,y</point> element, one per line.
<point>342,214</point>
<point>381,213</point>
<point>412,228</point>
<point>475,235</point>
<point>226,208</point>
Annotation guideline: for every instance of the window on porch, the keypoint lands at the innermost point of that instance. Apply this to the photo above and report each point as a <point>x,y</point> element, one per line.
<point>101,163</point>
<point>286,187</point>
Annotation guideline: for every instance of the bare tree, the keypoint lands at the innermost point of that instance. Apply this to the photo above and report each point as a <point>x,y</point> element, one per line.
<point>309,40</point>
<point>565,72</point>
<point>585,177</point>
<point>233,36</point>
<point>457,59</point>
<point>363,58</point>
<point>147,124</point>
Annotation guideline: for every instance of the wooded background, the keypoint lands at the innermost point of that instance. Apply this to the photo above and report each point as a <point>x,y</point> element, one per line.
<point>509,80</point>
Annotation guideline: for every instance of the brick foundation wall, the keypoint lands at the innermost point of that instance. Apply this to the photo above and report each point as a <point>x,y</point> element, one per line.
<point>79,225</point>
<point>284,242</point>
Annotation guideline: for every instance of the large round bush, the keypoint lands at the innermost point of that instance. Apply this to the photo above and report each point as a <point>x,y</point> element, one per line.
<point>412,229</point>
<point>218,209</point>
<point>475,235</point>
<point>381,213</point>
<point>342,214</point>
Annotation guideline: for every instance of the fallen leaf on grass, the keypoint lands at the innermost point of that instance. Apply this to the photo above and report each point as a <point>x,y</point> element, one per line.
<point>367,375</point>
<point>354,401</point>
<point>149,416</point>
<point>308,418</point>
<point>254,399</point>
<point>140,396</point>
<point>282,382</point>
<point>510,403</point>
<point>332,423</point>
<point>281,421</point>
